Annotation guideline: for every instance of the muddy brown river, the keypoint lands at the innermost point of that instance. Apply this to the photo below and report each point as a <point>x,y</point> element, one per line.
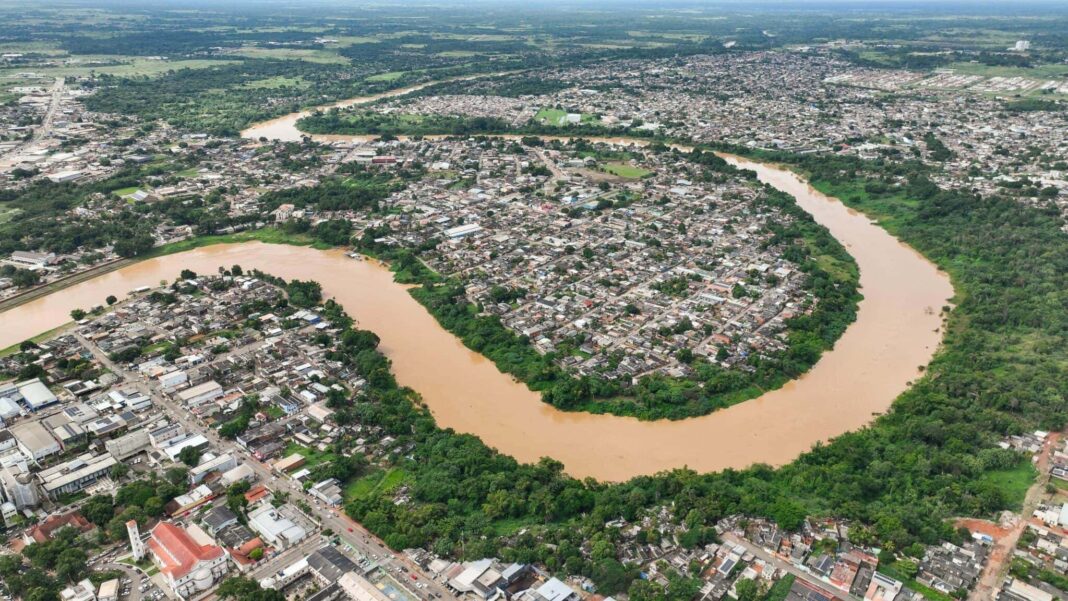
<point>897,331</point>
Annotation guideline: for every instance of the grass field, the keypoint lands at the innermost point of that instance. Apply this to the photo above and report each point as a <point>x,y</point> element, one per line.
<point>374,483</point>
<point>352,40</point>
<point>625,170</point>
<point>311,55</point>
<point>551,116</point>
<point>1014,483</point>
<point>312,457</point>
<point>389,76</point>
<point>125,191</point>
<point>1039,72</point>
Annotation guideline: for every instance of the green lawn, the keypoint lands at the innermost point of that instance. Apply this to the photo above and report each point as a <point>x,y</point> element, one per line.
<point>311,55</point>
<point>352,40</point>
<point>270,235</point>
<point>125,191</point>
<point>374,482</point>
<point>1015,482</point>
<point>626,170</point>
<point>388,76</point>
<point>1039,72</point>
<point>312,457</point>
<point>551,116</point>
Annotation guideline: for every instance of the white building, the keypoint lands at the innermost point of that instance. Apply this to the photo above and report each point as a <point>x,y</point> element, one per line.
<point>172,379</point>
<point>17,486</point>
<point>137,546</point>
<point>35,441</point>
<point>128,445</point>
<point>32,259</point>
<point>200,394</point>
<point>209,465</point>
<point>188,567</point>
<point>274,527</point>
<point>109,590</point>
<point>65,176</point>
<point>35,394</point>
<point>76,474</point>
<point>83,591</point>
<point>359,588</point>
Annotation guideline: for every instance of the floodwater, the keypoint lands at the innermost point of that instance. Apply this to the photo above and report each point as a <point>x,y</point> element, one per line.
<point>897,331</point>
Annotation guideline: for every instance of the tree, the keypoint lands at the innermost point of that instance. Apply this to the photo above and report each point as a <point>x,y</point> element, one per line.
<point>135,245</point>
<point>99,509</point>
<point>256,554</point>
<point>245,589</point>
<point>746,590</point>
<point>77,314</point>
<point>71,564</point>
<point>176,475</point>
<point>119,471</point>
<point>190,456</point>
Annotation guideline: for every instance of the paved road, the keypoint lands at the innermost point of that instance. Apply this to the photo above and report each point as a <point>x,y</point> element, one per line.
<point>351,532</point>
<point>50,116</point>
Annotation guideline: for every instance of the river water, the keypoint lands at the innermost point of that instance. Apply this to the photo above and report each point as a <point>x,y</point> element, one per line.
<point>897,331</point>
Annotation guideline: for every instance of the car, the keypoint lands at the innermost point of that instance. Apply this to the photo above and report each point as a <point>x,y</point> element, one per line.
<point>413,576</point>
<point>350,530</point>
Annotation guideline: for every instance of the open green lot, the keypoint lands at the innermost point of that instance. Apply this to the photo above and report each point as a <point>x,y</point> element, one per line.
<point>1013,483</point>
<point>626,170</point>
<point>389,76</point>
<point>311,55</point>
<point>374,483</point>
<point>311,456</point>
<point>551,116</point>
<point>1038,72</point>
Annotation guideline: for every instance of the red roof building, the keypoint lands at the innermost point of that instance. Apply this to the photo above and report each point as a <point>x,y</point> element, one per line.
<point>189,567</point>
<point>43,532</point>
